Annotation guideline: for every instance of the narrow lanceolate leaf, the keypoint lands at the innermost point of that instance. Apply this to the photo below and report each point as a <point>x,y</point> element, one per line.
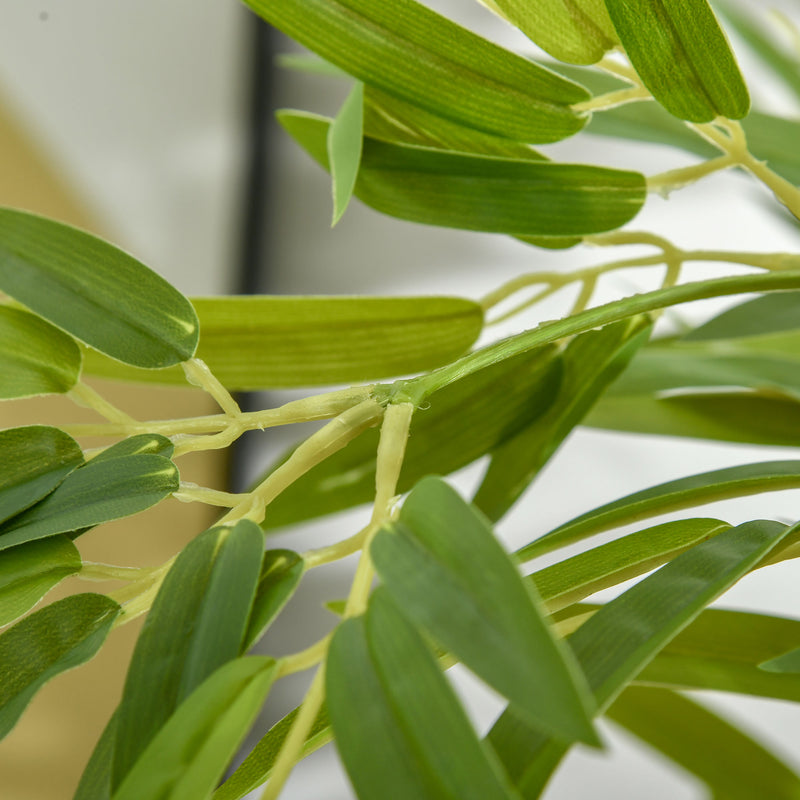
<point>35,356</point>
<point>93,494</point>
<point>57,638</point>
<point>459,423</point>
<point>345,138</point>
<point>188,756</point>
<point>141,444</point>
<point>33,461</point>
<point>618,642</point>
<point>591,362</point>
<point>727,760</point>
<point>280,342</point>
<point>411,52</point>
<point>706,487</point>
<point>481,193</point>
<point>29,571</point>
<point>575,31</point>
<point>682,56</point>
<point>197,624</point>
<point>443,566</point>
<point>94,291</point>
<point>398,725</point>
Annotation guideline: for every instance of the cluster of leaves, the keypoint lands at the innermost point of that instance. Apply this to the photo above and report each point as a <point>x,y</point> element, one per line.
<point>437,129</point>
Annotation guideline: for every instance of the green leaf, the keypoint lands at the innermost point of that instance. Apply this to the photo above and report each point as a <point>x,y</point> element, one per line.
<point>143,443</point>
<point>456,425</point>
<point>188,756</point>
<point>682,56</point>
<point>615,644</point>
<point>279,342</point>
<point>197,623</point>
<point>95,782</point>
<point>280,575</point>
<point>411,52</point>
<point>705,487</point>
<point>35,357</point>
<point>770,313</point>
<point>257,767</point>
<point>728,761</point>
<point>443,566</point>
<point>93,494</point>
<point>33,461</point>
<point>29,571</point>
<point>481,193</point>
<point>576,31</point>
<point>591,362</point>
<point>345,138</point>
<point>94,292</point>
<point>399,728</point>
<point>788,662</point>
<point>57,638</point>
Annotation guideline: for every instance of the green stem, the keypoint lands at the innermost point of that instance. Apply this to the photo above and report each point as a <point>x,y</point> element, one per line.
<point>83,395</point>
<point>666,182</point>
<point>192,493</point>
<point>198,374</point>
<point>603,102</point>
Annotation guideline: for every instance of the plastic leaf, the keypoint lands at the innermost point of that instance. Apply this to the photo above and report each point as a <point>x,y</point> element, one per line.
<point>35,356</point>
<point>95,782</point>
<point>94,291</point>
<point>143,443</point>
<point>442,564</point>
<point>771,313</point>
<point>345,137</point>
<point>56,638</point>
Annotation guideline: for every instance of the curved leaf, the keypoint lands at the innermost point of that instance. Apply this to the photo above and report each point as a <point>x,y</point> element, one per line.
<point>770,313</point>
<point>143,443</point>
<point>94,291</point>
<point>345,137</point>
<point>35,356</point>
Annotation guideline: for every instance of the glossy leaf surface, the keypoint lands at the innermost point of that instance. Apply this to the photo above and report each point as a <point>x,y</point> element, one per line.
<point>33,461</point>
<point>93,494</point>
<point>56,638</point>
<point>443,566</point>
<point>417,55</point>
<point>345,138</point>
<point>525,197</point>
<point>35,356</point>
<point>94,291</point>
<point>197,624</point>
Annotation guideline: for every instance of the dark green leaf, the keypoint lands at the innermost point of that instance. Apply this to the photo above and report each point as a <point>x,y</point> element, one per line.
<point>399,728</point>
<point>442,564</point>
<point>33,461</point>
<point>481,193</point>
<point>56,638</point>
<point>682,56</point>
<point>591,362</point>
<point>345,138</point>
<point>456,425</point>
<point>152,443</point>
<point>188,756</point>
<point>35,356</point>
<point>29,571</point>
<point>729,762</point>
<point>93,494</point>
<point>94,292</point>
<point>771,313</point>
<point>411,52</point>
<point>197,623</point>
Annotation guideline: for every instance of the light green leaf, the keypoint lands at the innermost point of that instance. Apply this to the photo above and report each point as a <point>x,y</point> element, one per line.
<point>33,461</point>
<point>591,362</point>
<point>705,487</point>
<point>411,52</point>
<point>152,443</point>
<point>456,425</point>
<point>727,760</point>
<point>56,638</point>
<point>280,575</point>
<point>94,291</point>
<point>29,571</point>
<point>35,356</point>
<point>788,662</point>
<point>279,342</point>
<point>345,138</point>
<point>197,623</point>
<point>443,566</point>
<point>682,56</point>
<point>399,728</point>
<point>481,193</point>
<point>257,767</point>
<point>770,313</point>
<point>575,31</point>
<point>93,494</point>
<point>188,756</point>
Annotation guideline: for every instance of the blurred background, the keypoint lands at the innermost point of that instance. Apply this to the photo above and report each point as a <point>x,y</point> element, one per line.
<point>150,123</point>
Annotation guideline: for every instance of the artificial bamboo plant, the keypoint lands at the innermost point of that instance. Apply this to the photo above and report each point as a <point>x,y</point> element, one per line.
<point>439,128</point>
